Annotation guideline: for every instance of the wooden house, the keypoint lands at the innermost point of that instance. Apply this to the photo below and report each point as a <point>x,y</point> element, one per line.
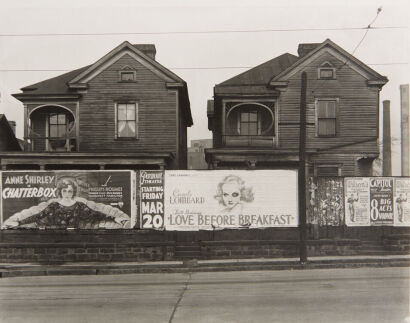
<point>124,111</point>
<point>254,116</point>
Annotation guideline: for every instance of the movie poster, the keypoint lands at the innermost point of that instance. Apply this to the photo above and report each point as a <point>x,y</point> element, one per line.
<point>151,193</point>
<point>381,201</point>
<point>357,201</point>
<point>325,205</point>
<point>212,200</point>
<point>67,199</point>
<point>401,209</point>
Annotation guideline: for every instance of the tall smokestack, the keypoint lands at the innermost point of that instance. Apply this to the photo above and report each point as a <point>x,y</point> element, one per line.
<point>386,139</point>
<point>405,135</point>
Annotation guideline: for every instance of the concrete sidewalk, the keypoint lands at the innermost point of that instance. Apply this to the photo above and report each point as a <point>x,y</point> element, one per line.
<point>100,268</point>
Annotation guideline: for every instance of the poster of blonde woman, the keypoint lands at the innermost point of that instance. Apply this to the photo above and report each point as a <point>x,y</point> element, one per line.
<point>230,199</point>
<point>67,200</point>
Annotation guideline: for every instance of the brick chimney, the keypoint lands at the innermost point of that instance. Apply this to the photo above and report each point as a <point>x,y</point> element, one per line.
<point>147,49</point>
<point>303,49</point>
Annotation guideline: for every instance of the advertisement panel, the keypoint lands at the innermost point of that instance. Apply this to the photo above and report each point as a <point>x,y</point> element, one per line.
<point>209,200</point>
<point>151,199</point>
<point>357,201</point>
<point>401,208</point>
<point>381,201</point>
<point>67,199</point>
<point>325,206</point>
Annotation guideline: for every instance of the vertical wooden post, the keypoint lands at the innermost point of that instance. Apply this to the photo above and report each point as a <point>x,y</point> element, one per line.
<point>302,171</point>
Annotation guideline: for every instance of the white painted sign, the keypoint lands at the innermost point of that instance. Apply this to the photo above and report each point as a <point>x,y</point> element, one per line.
<point>211,200</point>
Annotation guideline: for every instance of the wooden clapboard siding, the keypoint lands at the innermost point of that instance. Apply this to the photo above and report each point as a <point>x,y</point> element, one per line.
<point>356,111</point>
<point>156,111</point>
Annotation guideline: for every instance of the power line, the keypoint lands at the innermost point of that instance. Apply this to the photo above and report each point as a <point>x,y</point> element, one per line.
<point>185,68</point>
<point>198,32</point>
<point>369,26</point>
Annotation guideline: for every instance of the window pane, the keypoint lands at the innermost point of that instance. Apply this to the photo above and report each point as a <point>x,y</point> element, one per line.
<point>130,111</point>
<point>127,76</point>
<point>61,129</point>
<point>131,128</point>
<point>326,73</point>
<point>321,109</point>
<point>328,171</point>
<point>122,132</point>
<point>53,131</point>
<point>53,118</point>
<point>327,127</point>
<point>253,116</point>
<point>244,116</point>
<point>244,129</point>
<point>122,112</point>
<point>253,129</point>
<point>331,109</point>
<point>61,119</point>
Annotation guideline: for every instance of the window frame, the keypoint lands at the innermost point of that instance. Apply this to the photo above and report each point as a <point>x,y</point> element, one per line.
<point>336,118</point>
<point>257,122</point>
<point>317,167</point>
<point>127,71</point>
<point>117,137</point>
<point>326,66</point>
<point>57,124</point>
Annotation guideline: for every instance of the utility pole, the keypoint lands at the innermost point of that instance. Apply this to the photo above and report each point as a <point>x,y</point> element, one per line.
<point>302,171</point>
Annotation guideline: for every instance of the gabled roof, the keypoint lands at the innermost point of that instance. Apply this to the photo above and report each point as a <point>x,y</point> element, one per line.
<point>136,50</point>
<point>67,84</point>
<point>348,58</point>
<point>263,73</point>
<point>276,70</point>
<point>54,85</point>
<point>11,137</point>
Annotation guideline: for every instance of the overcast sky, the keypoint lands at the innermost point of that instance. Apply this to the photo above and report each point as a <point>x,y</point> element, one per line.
<point>385,50</point>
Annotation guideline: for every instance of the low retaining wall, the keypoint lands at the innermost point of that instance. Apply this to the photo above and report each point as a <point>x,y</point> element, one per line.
<point>58,246</point>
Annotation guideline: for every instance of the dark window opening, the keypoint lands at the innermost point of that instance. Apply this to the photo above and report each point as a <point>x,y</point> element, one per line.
<point>326,118</point>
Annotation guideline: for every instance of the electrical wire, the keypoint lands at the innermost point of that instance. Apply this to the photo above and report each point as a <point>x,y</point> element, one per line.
<point>198,31</point>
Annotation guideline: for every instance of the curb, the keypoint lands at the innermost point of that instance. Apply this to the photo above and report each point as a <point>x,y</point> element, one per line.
<point>193,266</point>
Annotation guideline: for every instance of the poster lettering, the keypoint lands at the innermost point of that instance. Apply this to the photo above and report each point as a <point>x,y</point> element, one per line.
<point>357,201</point>
<point>67,199</point>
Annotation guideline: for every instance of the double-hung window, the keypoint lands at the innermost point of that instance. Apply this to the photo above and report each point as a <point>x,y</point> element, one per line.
<point>126,123</point>
<point>249,123</point>
<point>326,117</point>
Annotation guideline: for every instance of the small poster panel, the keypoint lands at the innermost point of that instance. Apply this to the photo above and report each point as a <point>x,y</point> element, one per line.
<point>381,201</point>
<point>152,199</point>
<point>212,200</point>
<point>357,201</point>
<point>401,208</point>
<point>67,199</point>
<point>326,206</point>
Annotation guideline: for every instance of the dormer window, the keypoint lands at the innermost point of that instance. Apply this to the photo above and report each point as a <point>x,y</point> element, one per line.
<point>127,75</point>
<point>326,72</point>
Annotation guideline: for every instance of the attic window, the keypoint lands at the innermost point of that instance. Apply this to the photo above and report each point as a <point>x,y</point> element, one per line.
<point>127,76</point>
<point>326,72</point>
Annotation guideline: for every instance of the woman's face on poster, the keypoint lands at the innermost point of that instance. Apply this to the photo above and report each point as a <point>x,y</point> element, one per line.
<point>231,194</point>
<point>67,192</point>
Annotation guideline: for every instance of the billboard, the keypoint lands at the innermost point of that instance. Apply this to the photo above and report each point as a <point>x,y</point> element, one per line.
<point>209,200</point>
<point>357,201</point>
<point>381,201</point>
<point>325,206</point>
<point>68,199</point>
<point>401,209</point>
<point>151,191</point>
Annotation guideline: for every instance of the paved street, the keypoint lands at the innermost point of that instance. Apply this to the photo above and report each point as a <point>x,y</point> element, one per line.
<point>321,295</point>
